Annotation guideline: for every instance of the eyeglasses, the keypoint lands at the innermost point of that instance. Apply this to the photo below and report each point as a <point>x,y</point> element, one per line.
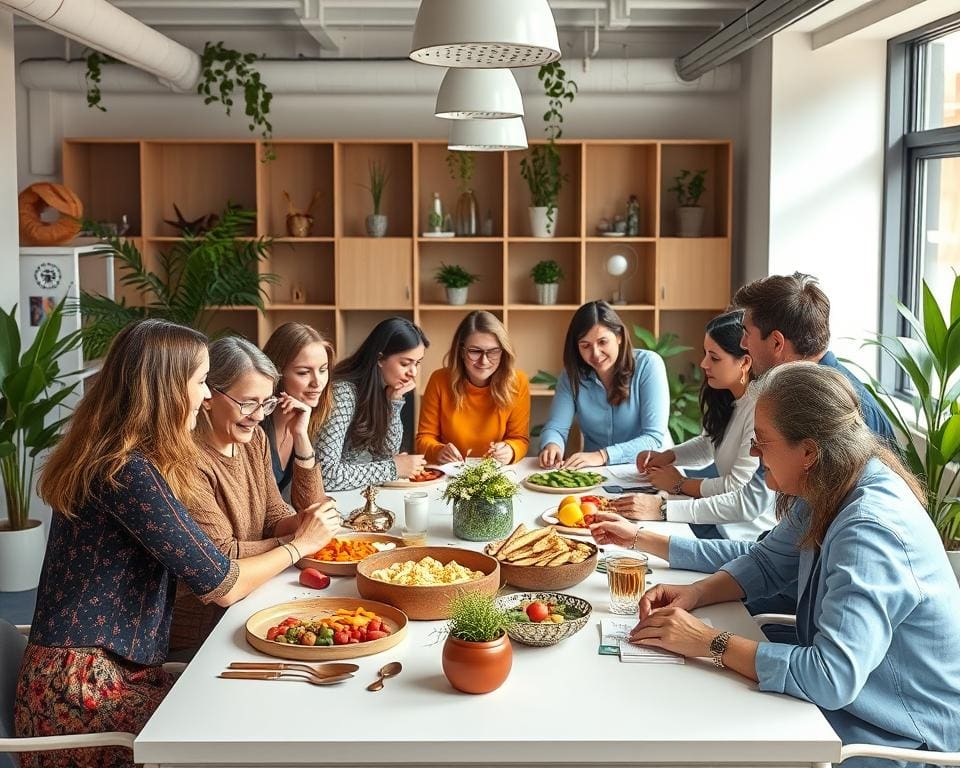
<point>757,445</point>
<point>249,407</point>
<point>474,354</point>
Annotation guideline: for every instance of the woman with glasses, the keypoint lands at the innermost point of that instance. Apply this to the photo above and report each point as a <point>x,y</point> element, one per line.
<point>303,357</point>
<point>121,541</point>
<point>478,403</point>
<point>618,395</point>
<point>238,504</point>
<point>359,442</point>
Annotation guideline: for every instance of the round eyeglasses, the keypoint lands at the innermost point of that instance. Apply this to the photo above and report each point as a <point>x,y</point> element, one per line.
<point>475,354</point>
<point>249,407</point>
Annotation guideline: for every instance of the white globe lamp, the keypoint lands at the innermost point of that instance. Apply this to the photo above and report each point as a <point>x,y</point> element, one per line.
<point>620,266</point>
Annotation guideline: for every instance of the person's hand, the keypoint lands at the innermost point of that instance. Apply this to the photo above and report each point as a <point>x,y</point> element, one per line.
<point>408,464</point>
<point>638,506</point>
<point>664,478</point>
<point>646,460</point>
<point>675,630</point>
<point>686,596</point>
<point>585,459</point>
<point>613,529</point>
<point>501,452</point>
<point>397,391</point>
<point>551,456</point>
<point>449,454</point>
<point>301,411</point>
<point>317,524</point>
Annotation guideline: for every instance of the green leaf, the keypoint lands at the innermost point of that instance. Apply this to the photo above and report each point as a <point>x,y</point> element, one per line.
<point>950,439</point>
<point>934,327</point>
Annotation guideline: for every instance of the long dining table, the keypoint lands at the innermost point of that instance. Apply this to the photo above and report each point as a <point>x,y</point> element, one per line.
<point>563,704</point>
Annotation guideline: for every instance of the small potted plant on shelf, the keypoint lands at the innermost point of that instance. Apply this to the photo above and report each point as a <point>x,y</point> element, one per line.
<point>456,280</point>
<point>482,498</point>
<point>689,188</point>
<point>379,176</point>
<point>546,276</point>
<point>29,397</point>
<point>466,214</point>
<point>477,655</point>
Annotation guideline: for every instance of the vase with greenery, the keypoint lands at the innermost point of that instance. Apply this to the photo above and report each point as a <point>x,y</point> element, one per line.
<point>546,276</point>
<point>466,219</point>
<point>197,274</point>
<point>541,167</point>
<point>685,418</point>
<point>456,280</point>
<point>379,176</point>
<point>928,418</point>
<point>477,655</point>
<point>31,389</point>
<point>482,498</point>
<point>689,187</point>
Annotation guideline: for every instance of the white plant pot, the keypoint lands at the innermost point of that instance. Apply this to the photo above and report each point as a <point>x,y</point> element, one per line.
<point>457,295</point>
<point>954,558</point>
<point>547,293</point>
<point>689,221</point>
<point>540,225</point>
<point>21,556</point>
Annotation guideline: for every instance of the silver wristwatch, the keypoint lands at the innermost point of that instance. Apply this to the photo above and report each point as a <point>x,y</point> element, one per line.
<point>663,509</point>
<point>718,646</point>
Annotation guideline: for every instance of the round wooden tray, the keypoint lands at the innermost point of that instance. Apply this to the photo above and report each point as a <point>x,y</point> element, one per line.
<point>564,491</point>
<point>340,568</point>
<point>258,624</point>
<point>409,484</point>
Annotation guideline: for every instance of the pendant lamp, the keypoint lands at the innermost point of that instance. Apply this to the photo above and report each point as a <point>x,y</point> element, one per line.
<point>484,94</point>
<point>487,135</point>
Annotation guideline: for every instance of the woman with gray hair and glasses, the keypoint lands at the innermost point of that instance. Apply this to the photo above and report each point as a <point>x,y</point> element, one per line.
<point>238,503</point>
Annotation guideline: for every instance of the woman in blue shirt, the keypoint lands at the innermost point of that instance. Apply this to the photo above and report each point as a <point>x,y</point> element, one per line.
<point>619,395</point>
<point>878,614</point>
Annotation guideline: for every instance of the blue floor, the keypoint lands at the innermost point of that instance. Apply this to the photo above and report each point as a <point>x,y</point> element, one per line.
<point>17,607</point>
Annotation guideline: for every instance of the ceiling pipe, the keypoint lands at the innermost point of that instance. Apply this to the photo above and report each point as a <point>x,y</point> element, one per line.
<point>98,24</point>
<point>761,21</point>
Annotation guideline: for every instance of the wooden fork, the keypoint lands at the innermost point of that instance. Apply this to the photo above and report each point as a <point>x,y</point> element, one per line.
<point>324,670</point>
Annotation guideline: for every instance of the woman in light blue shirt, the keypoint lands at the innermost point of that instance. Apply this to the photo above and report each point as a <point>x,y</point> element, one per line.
<point>618,395</point>
<point>878,614</point>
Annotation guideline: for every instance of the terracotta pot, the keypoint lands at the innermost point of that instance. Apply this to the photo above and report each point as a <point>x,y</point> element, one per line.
<point>477,667</point>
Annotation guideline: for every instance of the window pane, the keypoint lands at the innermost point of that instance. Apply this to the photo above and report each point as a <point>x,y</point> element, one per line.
<point>942,86</point>
<point>940,221</point>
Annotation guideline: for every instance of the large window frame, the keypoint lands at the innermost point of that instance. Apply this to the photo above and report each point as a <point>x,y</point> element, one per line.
<point>907,146</point>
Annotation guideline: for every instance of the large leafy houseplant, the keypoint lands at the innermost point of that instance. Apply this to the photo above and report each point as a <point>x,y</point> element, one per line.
<point>26,403</point>
<point>482,497</point>
<point>200,272</point>
<point>685,418</point>
<point>929,360</point>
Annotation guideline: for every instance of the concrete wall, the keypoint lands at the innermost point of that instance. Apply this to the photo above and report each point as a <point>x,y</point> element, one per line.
<point>9,226</point>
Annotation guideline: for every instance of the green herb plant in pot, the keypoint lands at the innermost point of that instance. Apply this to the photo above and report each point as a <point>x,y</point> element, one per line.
<point>379,176</point>
<point>477,655</point>
<point>689,187</point>
<point>546,276</point>
<point>482,497</point>
<point>456,280</point>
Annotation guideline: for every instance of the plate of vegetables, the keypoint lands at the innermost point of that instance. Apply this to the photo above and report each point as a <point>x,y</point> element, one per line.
<point>426,476</point>
<point>342,553</point>
<point>326,628</point>
<point>564,481</point>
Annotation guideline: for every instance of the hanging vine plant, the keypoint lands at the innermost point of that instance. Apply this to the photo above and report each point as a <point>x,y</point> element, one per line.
<point>95,60</point>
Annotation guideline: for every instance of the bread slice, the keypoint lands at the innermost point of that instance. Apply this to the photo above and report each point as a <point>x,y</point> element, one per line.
<point>515,544</point>
<point>519,531</point>
<point>563,557</point>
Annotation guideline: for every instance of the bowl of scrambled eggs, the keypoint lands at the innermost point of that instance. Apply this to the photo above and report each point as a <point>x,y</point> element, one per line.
<point>420,581</point>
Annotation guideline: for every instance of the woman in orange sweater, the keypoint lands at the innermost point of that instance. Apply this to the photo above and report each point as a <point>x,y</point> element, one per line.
<point>478,402</point>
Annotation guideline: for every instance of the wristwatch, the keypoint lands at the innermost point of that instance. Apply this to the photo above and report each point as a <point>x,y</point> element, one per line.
<point>663,509</point>
<point>718,646</point>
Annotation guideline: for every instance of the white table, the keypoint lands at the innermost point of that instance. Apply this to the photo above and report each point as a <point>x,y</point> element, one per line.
<point>562,704</point>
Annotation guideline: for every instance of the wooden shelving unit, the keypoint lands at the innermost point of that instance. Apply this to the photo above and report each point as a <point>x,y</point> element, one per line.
<point>352,281</point>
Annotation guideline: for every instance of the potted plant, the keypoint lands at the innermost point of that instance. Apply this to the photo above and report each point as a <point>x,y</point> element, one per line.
<point>379,176</point>
<point>931,435</point>
<point>541,167</point>
<point>26,403</point>
<point>477,655</point>
<point>466,214</point>
<point>546,276</point>
<point>689,187</point>
<point>456,280</point>
<point>482,498</point>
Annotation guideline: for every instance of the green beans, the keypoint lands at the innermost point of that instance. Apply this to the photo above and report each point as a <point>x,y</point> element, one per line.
<point>566,478</point>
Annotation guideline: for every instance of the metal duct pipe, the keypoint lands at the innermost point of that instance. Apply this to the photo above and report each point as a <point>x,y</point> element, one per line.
<point>99,25</point>
<point>766,18</point>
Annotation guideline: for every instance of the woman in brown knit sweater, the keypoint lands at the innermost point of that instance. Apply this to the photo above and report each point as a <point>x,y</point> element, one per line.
<point>238,504</point>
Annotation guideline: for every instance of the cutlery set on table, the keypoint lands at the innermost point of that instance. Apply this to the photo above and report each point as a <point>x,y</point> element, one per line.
<point>319,674</point>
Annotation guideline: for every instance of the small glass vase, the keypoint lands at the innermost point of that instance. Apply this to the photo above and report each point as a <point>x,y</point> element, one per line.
<point>482,520</point>
<point>467,216</point>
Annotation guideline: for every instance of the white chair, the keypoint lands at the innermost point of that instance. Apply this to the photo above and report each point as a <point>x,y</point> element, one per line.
<point>13,642</point>
<point>870,750</point>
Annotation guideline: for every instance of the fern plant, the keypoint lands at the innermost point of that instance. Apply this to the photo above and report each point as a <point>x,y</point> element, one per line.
<point>218,268</point>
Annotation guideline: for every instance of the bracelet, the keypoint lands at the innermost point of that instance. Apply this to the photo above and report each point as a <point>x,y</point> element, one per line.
<point>636,537</point>
<point>677,489</point>
<point>308,457</point>
<point>293,560</point>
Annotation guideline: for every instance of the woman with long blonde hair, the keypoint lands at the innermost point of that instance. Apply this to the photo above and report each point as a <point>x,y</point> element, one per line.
<point>478,403</point>
<point>120,539</point>
<point>303,357</point>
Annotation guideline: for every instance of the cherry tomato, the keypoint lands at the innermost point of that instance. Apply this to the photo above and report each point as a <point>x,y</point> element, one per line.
<point>537,611</point>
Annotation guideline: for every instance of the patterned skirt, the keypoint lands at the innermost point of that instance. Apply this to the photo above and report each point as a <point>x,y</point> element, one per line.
<point>83,690</point>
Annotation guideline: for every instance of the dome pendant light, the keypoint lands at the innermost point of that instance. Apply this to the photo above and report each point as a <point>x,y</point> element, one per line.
<point>485,94</point>
<point>487,135</point>
<point>484,34</point>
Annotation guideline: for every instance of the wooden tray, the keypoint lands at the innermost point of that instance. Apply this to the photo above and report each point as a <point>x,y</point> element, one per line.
<point>258,624</point>
<point>341,568</point>
<point>564,491</point>
<point>408,484</point>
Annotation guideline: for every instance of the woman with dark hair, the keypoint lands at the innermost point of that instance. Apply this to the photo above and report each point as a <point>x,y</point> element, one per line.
<point>478,402</point>
<point>359,441</point>
<point>619,395</point>
<point>726,401</point>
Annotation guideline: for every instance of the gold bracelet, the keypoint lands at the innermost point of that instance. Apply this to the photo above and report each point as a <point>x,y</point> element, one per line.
<point>636,537</point>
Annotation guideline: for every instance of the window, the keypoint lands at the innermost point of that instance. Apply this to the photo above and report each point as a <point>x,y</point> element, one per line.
<point>922,169</point>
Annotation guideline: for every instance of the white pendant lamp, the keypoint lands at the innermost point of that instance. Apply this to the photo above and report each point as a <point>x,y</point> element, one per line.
<point>485,33</point>
<point>487,135</point>
<point>484,94</point>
